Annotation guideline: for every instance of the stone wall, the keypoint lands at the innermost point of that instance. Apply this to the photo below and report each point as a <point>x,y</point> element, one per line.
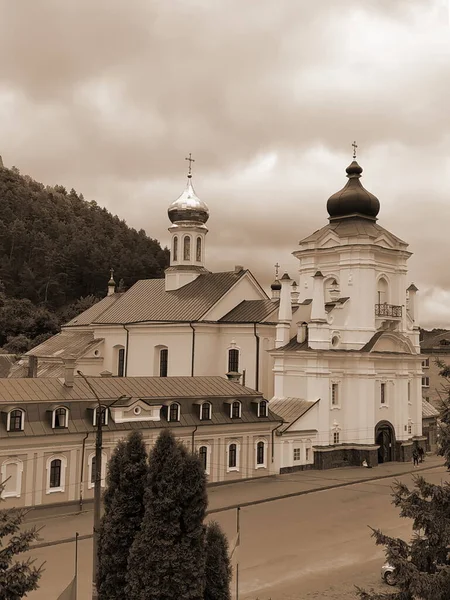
<point>345,456</point>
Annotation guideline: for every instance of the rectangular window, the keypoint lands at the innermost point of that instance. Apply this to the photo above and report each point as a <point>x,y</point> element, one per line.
<point>121,362</point>
<point>93,470</point>
<point>383,393</point>
<point>233,361</point>
<point>425,363</point>
<point>55,473</point>
<point>232,456</point>
<point>260,453</point>
<point>425,382</point>
<point>163,362</point>
<point>334,394</point>
<point>336,437</point>
<point>409,392</point>
<point>308,454</point>
<point>409,428</point>
<point>297,454</point>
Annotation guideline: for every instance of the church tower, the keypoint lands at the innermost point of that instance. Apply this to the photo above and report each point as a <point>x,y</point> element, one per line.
<point>188,215</point>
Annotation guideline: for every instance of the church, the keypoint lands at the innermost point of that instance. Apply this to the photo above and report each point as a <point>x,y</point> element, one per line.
<point>335,349</point>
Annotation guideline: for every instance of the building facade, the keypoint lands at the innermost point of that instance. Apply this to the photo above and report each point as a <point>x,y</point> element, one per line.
<point>352,376</point>
<point>47,430</point>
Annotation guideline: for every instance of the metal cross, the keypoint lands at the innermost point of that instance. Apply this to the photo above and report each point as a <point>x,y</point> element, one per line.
<point>191,160</point>
<point>355,145</point>
<point>277,266</point>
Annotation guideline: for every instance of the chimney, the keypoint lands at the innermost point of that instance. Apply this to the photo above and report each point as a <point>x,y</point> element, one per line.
<point>106,374</point>
<point>32,366</point>
<point>294,294</point>
<point>318,303</point>
<point>69,371</point>
<point>412,303</point>
<point>238,269</point>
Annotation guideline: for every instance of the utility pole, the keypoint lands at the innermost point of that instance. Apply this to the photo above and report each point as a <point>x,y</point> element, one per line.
<point>97,480</point>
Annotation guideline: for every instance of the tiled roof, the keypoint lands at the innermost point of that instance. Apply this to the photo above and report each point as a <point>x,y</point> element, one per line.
<point>6,363</point>
<point>92,313</point>
<point>290,409</point>
<point>45,368</point>
<point>147,300</point>
<point>434,342</point>
<point>64,344</point>
<point>294,345</point>
<point>251,311</point>
<point>428,410</point>
<point>40,389</point>
<point>350,228</point>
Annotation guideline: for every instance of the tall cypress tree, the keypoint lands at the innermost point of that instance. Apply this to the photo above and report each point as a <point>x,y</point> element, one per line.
<point>217,567</point>
<point>124,509</point>
<point>167,559</point>
<point>17,577</point>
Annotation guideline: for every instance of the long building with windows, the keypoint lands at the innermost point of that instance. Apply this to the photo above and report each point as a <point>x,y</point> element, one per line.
<point>47,430</point>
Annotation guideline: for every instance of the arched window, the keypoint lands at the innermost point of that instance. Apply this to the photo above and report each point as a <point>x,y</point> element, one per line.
<point>121,362</point>
<point>55,473</point>
<point>60,418</point>
<point>15,420</point>
<point>236,410</point>
<point>203,454</point>
<point>186,248</point>
<point>382,291</point>
<point>205,411</point>
<point>92,471</point>
<point>260,454</point>
<point>174,412</point>
<point>198,252</point>
<point>105,415</point>
<point>175,248</point>
<point>11,477</point>
<point>262,409</point>
<point>163,362</point>
<point>233,360</point>
<point>232,456</point>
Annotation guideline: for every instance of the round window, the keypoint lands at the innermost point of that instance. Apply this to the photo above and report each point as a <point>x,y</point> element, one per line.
<point>96,352</point>
<point>137,410</point>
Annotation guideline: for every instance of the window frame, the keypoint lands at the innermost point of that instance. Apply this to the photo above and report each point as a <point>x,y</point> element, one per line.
<point>336,437</point>
<point>297,452</point>
<point>237,456</point>
<point>335,396</point>
<point>187,248</point>
<point>198,249</point>
<point>105,416</point>
<point>266,408</point>
<point>169,412</point>
<point>22,420</point>
<point>234,359</point>
<point>91,458</point>
<point>383,394</point>
<point>120,362</point>
<point>263,464</point>
<point>17,492</point>
<point>66,417</point>
<point>426,379</point>
<point>203,405</point>
<point>175,249</point>
<point>426,363</point>
<point>164,362</point>
<point>62,474</point>
<point>207,463</point>
<point>233,405</point>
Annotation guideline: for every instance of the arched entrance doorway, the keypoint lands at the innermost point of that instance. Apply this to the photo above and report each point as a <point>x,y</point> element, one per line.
<point>385,438</point>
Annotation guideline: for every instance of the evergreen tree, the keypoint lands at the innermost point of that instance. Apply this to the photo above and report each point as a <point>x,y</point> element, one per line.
<point>217,566</point>
<point>444,417</point>
<point>124,509</point>
<point>167,559</point>
<point>17,578</point>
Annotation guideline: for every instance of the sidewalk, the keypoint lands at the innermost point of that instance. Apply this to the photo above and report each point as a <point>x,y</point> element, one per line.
<point>59,528</point>
<point>268,489</point>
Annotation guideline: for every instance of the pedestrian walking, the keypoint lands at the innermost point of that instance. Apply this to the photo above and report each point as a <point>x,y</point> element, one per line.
<point>421,454</point>
<point>415,456</point>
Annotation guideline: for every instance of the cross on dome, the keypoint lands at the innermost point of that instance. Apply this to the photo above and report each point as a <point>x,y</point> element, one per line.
<point>355,145</point>
<point>191,160</point>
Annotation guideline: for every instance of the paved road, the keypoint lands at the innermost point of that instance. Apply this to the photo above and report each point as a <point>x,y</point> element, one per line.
<point>316,546</point>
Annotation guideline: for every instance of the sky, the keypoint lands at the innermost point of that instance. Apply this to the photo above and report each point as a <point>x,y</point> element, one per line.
<point>109,97</point>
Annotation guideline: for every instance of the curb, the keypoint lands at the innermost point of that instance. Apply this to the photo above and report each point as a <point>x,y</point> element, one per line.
<point>255,502</point>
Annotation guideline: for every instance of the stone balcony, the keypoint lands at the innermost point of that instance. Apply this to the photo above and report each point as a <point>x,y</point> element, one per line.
<point>388,311</point>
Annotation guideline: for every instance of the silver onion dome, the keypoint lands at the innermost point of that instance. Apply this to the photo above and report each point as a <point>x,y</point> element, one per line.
<point>188,207</point>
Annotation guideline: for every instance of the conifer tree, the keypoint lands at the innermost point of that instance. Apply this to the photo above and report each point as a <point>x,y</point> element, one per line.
<point>217,566</point>
<point>124,509</point>
<point>167,559</point>
<point>17,578</point>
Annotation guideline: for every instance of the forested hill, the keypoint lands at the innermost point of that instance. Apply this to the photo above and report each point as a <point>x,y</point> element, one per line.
<point>55,249</point>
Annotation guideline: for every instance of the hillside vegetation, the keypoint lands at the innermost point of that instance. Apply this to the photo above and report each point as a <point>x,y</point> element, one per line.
<point>56,250</point>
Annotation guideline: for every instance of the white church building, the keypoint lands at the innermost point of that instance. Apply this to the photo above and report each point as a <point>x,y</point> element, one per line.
<point>348,384</point>
<point>336,351</point>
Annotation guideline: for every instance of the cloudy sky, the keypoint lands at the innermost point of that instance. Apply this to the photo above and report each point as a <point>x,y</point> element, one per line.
<point>109,97</point>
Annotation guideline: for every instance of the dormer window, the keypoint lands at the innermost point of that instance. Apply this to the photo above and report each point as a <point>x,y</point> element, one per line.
<point>105,415</point>
<point>15,420</point>
<point>60,418</point>
<point>205,411</point>
<point>236,410</point>
<point>262,408</point>
<point>174,412</point>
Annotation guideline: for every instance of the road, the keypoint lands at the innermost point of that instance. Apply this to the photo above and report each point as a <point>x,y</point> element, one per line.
<point>316,546</point>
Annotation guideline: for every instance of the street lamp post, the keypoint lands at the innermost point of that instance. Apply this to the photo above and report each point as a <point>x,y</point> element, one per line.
<point>97,481</point>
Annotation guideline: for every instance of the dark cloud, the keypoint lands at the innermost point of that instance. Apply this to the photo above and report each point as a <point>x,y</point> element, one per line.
<point>108,97</point>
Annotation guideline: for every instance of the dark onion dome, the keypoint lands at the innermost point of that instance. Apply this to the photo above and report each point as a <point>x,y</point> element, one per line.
<point>353,200</point>
<point>188,207</point>
<point>276,285</point>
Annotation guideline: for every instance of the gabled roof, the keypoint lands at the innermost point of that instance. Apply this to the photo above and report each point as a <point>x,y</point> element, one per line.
<point>7,361</point>
<point>39,389</point>
<point>251,311</point>
<point>290,409</point>
<point>65,344</point>
<point>45,368</point>
<point>92,313</point>
<point>436,342</point>
<point>428,410</point>
<point>147,299</point>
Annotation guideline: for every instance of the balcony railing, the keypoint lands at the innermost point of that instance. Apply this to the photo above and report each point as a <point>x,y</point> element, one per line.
<point>388,310</point>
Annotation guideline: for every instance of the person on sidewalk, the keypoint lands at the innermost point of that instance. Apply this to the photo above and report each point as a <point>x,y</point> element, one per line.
<point>421,454</point>
<point>415,457</point>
